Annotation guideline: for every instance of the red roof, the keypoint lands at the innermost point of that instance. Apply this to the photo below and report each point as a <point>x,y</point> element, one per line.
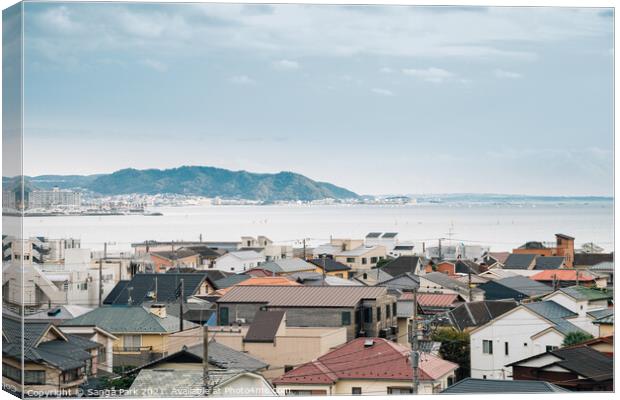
<point>432,299</point>
<point>562,275</point>
<point>354,360</point>
<point>259,272</point>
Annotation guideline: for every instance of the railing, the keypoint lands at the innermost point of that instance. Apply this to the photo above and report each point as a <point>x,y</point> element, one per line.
<point>131,349</point>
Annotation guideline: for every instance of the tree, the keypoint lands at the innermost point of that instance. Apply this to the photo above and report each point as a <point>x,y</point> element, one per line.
<point>382,262</point>
<point>455,348</point>
<point>574,338</point>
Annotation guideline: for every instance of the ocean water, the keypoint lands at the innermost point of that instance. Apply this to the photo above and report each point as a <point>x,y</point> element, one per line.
<point>500,226</point>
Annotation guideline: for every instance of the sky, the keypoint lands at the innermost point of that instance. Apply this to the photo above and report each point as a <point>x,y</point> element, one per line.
<point>377,99</point>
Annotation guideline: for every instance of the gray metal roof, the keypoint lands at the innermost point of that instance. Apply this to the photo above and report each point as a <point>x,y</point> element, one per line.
<point>544,263</point>
<point>287,265</point>
<point>303,296</point>
<point>471,385</point>
<point>264,326</point>
<point>524,285</point>
<point>224,357</point>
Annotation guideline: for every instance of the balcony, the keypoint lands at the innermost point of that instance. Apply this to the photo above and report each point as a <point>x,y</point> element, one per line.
<point>131,349</point>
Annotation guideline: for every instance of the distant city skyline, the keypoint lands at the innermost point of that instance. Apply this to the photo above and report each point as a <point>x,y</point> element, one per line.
<point>376,99</point>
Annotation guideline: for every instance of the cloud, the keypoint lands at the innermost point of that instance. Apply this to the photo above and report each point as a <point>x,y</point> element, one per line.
<point>382,92</point>
<point>242,80</point>
<point>386,70</point>
<point>432,74</point>
<point>499,73</point>
<point>286,64</point>
<point>155,65</point>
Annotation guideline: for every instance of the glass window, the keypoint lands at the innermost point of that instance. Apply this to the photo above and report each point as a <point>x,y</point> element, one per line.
<point>350,259</point>
<point>364,260</point>
<point>345,318</point>
<point>506,348</point>
<point>394,309</point>
<point>9,371</point>
<point>487,347</point>
<point>387,311</point>
<point>379,313</point>
<point>356,391</point>
<point>223,315</point>
<point>368,314</point>
<point>551,348</point>
<point>131,341</point>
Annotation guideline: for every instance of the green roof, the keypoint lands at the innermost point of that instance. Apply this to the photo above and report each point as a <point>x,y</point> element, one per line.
<point>128,319</point>
<point>590,294</point>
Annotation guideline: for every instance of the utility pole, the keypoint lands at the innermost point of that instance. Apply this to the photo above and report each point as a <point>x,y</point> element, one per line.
<point>576,277</point>
<point>415,355</point>
<point>181,307</point>
<point>304,242</point>
<point>323,258</point>
<point>439,251</point>
<point>100,280</point>
<point>205,358</point>
<point>468,281</point>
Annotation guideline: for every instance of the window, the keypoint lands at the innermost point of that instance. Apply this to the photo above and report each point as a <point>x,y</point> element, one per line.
<point>551,348</point>
<point>484,377</point>
<point>487,346</point>
<point>223,315</point>
<point>399,390</point>
<point>379,313</point>
<point>368,315</point>
<point>394,309</point>
<point>72,375</point>
<point>356,391</point>
<point>102,355</point>
<point>450,381</point>
<point>387,311</point>
<point>131,342</point>
<point>350,259</point>
<point>364,260</point>
<point>288,368</point>
<point>373,260</point>
<point>506,348</point>
<point>345,318</point>
<point>9,371</point>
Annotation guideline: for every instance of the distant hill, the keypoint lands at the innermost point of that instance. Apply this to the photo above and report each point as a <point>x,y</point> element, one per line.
<point>201,181</point>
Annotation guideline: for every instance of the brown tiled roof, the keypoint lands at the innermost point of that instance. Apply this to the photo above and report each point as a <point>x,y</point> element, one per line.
<point>261,281</point>
<point>382,359</point>
<point>264,326</point>
<point>303,296</point>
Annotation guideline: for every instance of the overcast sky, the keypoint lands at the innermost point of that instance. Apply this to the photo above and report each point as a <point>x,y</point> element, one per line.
<point>376,99</point>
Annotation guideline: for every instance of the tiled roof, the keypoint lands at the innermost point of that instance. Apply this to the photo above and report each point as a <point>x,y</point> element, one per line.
<point>59,313</point>
<point>546,263</point>
<point>523,285</point>
<point>374,275</point>
<point>465,266</point>
<point>174,255</point>
<point>303,296</point>
<point>605,316</point>
<point>519,261</point>
<point>444,280</point>
<point>603,266</point>
<point>556,314</point>
<point>144,286</point>
<point>500,256</point>
<point>264,326</point>
<point>562,275</point>
<point>331,265</point>
<point>262,281</point>
<point>244,254</point>
<point>478,313</point>
<point>126,319</point>
<point>497,386</point>
<point>589,259</point>
<point>406,281</point>
<point>432,299</point>
<point>367,358</point>
<point>402,264</point>
<point>231,280</point>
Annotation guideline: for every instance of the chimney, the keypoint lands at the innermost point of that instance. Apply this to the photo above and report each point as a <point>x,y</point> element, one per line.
<point>158,309</point>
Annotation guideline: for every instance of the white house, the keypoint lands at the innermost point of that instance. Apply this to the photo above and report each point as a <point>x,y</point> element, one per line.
<point>585,302</point>
<point>524,331</point>
<point>239,261</point>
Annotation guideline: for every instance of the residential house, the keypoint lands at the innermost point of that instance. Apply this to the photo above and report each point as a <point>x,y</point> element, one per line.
<point>190,383</point>
<point>524,331</point>
<point>266,247</point>
<point>568,277</point>
<point>605,270</point>
<point>605,324</point>
<point>221,357</point>
<point>515,287</point>
<point>564,247</point>
<point>331,267</point>
<point>436,282</point>
<point>429,306</point>
<point>404,264</point>
<point>389,240</point>
<point>367,366</point>
<point>362,258</point>
<point>468,316</point>
<point>500,386</point>
<point>576,368</point>
<point>363,310</point>
<point>457,267</point>
<point>589,304</point>
<point>372,277</point>
<point>154,245</point>
<point>499,273</point>
<point>587,260</point>
<point>206,255</point>
<point>256,281</point>
<point>158,288</point>
<point>288,266</point>
<point>238,261</point>
<point>603,344</point>
<point>283,347</point>
<point>106,340</point>
<point>182,258</point>
<point>37,357</point>
<point>402,249</point>
<point>144,334</point>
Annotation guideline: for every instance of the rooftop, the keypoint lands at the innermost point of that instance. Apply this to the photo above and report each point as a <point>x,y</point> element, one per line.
<point>367,358</point>
<point>562,275</point>
<point>330,264</point>
<point>591,294</point>
<point>287,265</point>
<point>497,386</point>
<point>264,326</point>
<point>303,296</point>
